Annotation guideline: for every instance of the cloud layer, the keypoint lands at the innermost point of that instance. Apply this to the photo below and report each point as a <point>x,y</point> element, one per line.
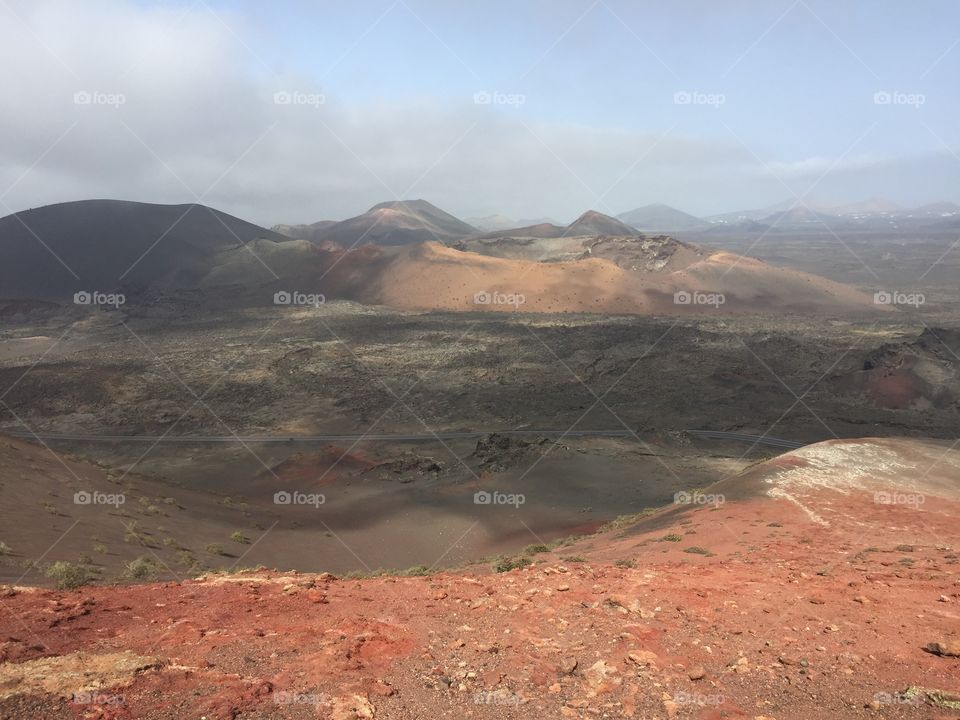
<point>112,99</point>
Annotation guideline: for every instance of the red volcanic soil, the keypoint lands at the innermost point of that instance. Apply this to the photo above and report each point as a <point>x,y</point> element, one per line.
<point>817,601</point>
<point>320,469</point>
<point>898,390</point>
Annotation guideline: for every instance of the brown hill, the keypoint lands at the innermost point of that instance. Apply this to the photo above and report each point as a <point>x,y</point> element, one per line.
<point>589,223</point>
<point>396,223</point>
<point>431,276</point>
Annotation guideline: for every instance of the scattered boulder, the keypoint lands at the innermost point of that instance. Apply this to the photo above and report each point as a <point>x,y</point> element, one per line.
<point>946,648</point>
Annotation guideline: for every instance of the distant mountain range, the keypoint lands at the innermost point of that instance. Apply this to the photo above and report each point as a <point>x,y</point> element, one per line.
<point>309,232</point>
<point>412,221</point>
<point>492,223</point>
<point>659,218</point>
<point>411,255</point>
<point>792,215</point>
<point>589,223</point>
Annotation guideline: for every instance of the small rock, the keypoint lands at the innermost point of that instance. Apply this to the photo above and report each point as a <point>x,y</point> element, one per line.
<point>697,672</point>
<point>602,678</point>
<point>568,666</point>
<point>947,648</point>
<point>316,596</point>
<point>643,658</point>
<point>382,689</point>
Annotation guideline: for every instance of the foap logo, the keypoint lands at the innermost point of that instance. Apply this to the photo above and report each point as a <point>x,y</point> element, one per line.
<point>695,97</point>
<point>284,497</point>
<point>895,97</point>
<point>90,697</point>
<point>296,97</point>
<point>482,497</point>
<point>96,97</point>
<point>685,698</point>
<point>698,498</point>
<point>684,297</point>
<point>483,97</point>
<point>84,497</point>
<point>897,297</point>
<point>287,697</point>
<point>294,297</point>
<point>497,298</point>
<point>914,500</point>
<point>95,297</point>
<point>895,698</point>
<point>496,697</point>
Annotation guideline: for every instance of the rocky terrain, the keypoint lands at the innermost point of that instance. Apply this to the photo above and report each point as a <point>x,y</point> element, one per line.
<point>846,607</point>
<point>390,501</point>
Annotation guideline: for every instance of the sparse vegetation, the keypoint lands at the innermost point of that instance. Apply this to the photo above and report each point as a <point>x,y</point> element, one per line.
<point>5,549</point>
<point>239,537</point>
<point>417,571</point>
<point>536,549</point>
<point>188,560</point>
<point>215,549</point>
<point>143,568</point>
<point>625,563</point>
<point>68,576</point>
<point>697,550</point>
<point>569,540</point>
<point>133,533</point>
<point>506,564</point>
<point>672,537</point>
<point>623,521</point>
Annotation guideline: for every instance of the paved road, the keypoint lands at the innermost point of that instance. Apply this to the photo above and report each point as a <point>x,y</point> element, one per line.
<point>393,437</point>
<point>741,437</point>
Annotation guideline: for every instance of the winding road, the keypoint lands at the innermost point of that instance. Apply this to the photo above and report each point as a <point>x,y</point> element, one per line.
<point>395,437</point>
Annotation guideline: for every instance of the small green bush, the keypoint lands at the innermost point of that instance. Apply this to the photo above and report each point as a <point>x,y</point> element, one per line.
<point>143,568</point>
<point>67,576</point>
<point>507,564</point>
<point>417,571</point>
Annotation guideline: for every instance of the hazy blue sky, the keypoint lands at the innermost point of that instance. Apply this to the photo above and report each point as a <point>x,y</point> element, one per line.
<point>705,105</point>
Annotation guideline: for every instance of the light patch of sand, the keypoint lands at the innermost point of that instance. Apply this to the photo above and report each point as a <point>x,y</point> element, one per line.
<point>67,675</point>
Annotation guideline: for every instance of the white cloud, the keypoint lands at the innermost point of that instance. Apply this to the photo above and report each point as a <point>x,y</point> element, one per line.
<point>198,112</point>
